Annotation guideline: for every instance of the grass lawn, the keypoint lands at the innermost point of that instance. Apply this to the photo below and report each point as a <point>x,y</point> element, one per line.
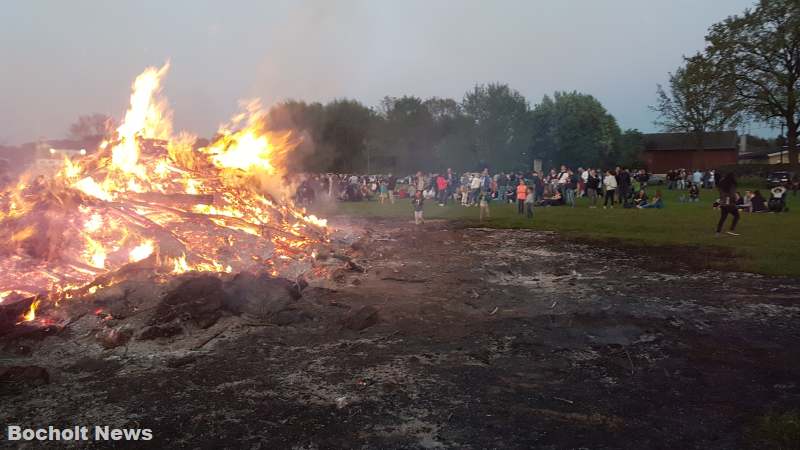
<point>769,243</point>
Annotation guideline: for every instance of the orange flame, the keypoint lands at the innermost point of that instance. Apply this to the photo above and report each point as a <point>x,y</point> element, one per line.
<point>147,191</point>
<point>31,314</point>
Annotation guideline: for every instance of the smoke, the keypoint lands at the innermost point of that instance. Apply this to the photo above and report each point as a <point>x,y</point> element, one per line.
<point>314,52</point>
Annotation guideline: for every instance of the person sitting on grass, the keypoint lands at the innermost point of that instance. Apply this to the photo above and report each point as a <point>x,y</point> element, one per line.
<point>656,202</point>
<point>747,204</point>
<point>553,198</point>
<point>640,199</point>
<point>758,202</point>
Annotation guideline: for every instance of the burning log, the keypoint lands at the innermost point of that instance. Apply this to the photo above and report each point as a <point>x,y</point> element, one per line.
<point>12,311</point>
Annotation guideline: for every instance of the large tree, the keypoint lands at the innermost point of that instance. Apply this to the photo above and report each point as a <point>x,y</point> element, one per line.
<point>408,134</point>
<point>699,98</point>
<point>454,137</point>
<point>92,127</point>
<point>502,128</point>
<point>574,129</point>
<point>347,133</point>
<point>759,52</point>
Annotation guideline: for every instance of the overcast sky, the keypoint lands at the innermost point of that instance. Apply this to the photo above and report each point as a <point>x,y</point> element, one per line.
<point>61,59</point>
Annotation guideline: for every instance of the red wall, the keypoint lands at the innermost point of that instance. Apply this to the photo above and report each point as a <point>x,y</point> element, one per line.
<point>664,160</point>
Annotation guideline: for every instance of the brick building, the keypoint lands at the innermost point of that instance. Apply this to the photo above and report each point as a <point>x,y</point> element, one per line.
<point>666,151</point>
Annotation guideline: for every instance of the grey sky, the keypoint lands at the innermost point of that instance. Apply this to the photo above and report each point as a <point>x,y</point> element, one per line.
<point>65,58</point>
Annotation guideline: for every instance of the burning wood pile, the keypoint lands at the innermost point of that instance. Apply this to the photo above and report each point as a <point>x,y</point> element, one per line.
<point>149,201</point>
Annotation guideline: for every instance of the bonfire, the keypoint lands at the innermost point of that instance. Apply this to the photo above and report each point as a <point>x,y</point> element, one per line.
<point>151,198</point>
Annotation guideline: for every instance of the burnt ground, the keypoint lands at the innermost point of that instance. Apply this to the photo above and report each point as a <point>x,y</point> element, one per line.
<point>455,337</point>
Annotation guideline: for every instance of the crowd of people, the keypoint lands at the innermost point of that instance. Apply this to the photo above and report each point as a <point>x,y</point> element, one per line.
<point>558,187</point>
<point>562,187</point>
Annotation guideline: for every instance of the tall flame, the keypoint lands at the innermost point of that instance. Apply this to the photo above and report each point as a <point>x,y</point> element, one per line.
<point>148,192</point>
<point>145,119</point>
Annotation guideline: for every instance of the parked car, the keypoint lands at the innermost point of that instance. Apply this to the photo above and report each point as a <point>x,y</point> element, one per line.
<point>657,178</point>
<point>779,179</point>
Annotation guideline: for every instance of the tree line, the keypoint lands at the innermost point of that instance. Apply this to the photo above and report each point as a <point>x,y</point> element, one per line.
<point>749,70</point>
<point>493,125</point>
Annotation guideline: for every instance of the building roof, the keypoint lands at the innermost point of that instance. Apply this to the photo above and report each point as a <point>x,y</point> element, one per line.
<point>713,140</point>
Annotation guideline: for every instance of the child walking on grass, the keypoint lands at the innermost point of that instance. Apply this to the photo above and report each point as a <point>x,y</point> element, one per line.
<point>418,202</point>
<point>483,202</point>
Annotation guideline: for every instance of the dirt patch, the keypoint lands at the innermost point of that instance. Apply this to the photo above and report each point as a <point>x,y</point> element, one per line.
<point>450,337</point>
<point>673,258</point>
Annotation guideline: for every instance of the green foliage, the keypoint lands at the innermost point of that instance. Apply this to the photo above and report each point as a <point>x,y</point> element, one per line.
<point>575,129</point>
<point>332,137</point>
<point>759,53</point>
<point>408,133</point>
<point>699,99</point>
<point>502,129</point>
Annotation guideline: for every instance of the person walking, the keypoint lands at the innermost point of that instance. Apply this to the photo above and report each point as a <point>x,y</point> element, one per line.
<point>610,184</point>
<point>483,204</point>
<point>418,203</point>
<point>727,204</point>
<point>522,191</point>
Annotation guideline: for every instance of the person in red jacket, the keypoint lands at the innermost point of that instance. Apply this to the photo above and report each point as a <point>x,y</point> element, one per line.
<point>522,192</point>
<point>441,189</point>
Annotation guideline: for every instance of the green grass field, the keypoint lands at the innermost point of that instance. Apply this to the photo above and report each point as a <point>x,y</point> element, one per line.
<point>769,243</point>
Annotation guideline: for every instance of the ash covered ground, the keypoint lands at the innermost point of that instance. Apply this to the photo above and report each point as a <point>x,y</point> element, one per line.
<point>438,336</point>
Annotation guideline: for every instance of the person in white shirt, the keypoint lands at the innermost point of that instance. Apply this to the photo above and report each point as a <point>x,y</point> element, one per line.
<point>474,189</point>
<point>610,184</point>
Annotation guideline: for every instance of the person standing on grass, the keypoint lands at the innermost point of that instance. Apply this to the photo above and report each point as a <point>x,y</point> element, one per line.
<point>570,187</point>
<point>522,191</point>
<point>452,183</point>
<point>583,175</point>
<point>592,187</point>
<point>727,203</point>
<point>475,189</point>
<point>391,184</point>
<point>418,202</point>
<point>441,189</point>
<point>529,201</point>
<point>610,184</point>
<point>383,191</point>
<point>623,184</point>
<point>536,185</point>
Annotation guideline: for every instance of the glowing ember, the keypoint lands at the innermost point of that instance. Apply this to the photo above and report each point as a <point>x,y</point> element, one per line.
<point>146,192</point>
<point>142,251</point>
